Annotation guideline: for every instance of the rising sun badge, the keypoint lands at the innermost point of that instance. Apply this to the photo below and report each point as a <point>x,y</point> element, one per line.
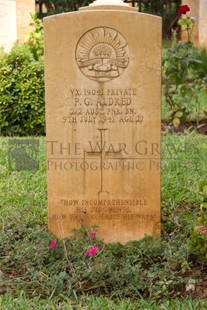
<point>102,54</point>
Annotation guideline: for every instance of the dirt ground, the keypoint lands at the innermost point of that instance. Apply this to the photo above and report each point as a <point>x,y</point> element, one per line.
<point>200,127</point>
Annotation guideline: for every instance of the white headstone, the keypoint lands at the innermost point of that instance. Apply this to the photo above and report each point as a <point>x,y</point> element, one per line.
<point>8,28</point>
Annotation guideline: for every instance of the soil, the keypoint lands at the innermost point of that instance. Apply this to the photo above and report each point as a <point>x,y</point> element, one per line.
<point>200,127</point>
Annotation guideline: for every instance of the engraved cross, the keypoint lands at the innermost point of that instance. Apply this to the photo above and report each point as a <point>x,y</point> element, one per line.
<point>102,153</point>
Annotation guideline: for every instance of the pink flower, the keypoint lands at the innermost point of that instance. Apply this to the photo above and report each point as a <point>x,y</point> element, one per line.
<point>92,234</point>
<point>92,250</point>
<point>83,300</point>
<point>203,231</point>
<point>52,244</point>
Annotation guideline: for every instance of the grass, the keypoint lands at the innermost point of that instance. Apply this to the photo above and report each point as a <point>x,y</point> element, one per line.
<point>183,168</point>
<point>7,302</point>
<point>23,207</point>
<point>23,193</point>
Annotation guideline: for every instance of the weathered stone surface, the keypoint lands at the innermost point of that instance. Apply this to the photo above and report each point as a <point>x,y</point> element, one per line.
<point>103,86</point>
<point>8,31</point>
<point>203,24</point>
<point>24,10</point>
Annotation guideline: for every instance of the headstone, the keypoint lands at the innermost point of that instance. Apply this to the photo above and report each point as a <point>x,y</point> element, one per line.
<point>8,29</point>
<point>103,86</point>
<point>203,24</point>
<point>14,21</point>
<point>24,10</point>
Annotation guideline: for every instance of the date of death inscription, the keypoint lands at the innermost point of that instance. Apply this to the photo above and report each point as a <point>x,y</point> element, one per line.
<point>102,106</point>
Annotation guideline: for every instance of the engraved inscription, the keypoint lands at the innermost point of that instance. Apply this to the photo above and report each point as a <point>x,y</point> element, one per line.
<point>102,54</point>
<point>139,217</point>
<point>118,217</point>
<point>102,106</point>
<point>103,123</point>
<point>105,205</point>
<point>102,153</point>
<point>106,209</point>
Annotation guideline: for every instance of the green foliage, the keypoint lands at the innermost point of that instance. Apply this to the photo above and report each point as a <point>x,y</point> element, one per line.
<point>166,9</point>
<point>198,238</point>
<point>182,81</point>
<point>139,269</point>
<point>158,7</point>
<point>35,40</point>
<point>183,167</point>
<point>22,93</point>
<point>61,6</point>
<point>23,193</point>
<point>201,55</point>
<point>186,25</point>
<point>183,78</point>
<point>22,302</point>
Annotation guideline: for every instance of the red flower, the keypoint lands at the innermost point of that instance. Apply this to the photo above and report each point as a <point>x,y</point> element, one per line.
<point>52,244</point>
<point>183,9</point>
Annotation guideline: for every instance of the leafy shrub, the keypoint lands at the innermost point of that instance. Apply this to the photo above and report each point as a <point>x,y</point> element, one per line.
<point>183,74</point>
<point>182,81</point>
<point>198,238</point>
<point>35,40</point>
<point>60,6</point>
<point>22,110</point>
<point>85,265</point>
<point>201,55</point>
